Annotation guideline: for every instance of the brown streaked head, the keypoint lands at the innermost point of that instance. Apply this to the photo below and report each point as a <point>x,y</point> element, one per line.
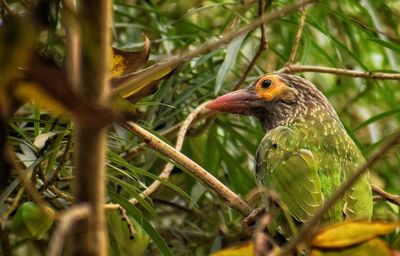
<point>276,99</point>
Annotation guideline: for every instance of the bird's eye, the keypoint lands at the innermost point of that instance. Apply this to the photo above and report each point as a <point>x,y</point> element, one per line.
<point>266,84</point>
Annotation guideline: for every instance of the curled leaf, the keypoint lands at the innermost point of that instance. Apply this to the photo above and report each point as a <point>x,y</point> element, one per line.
<point>124,62</point>
<point>32,221</point>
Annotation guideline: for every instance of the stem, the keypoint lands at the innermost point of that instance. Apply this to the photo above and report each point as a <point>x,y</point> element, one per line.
<point>295,68</point>
<point>233,199</point>
<point>90,234</point>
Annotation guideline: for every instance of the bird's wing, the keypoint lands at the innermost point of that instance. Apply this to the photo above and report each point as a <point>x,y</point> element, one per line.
<point>290,171</point>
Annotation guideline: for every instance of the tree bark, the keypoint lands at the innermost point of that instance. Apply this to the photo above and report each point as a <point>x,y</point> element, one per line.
<point>90,236</point>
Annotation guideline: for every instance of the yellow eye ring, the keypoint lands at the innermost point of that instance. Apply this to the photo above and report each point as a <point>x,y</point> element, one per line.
<point>266,83</point>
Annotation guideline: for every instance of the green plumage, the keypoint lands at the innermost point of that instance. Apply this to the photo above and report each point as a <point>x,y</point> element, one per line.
<point>304,162</point>
<point>305,155</point>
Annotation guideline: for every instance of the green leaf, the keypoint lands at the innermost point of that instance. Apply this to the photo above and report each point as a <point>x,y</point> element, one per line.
<point>138,216</point>
<point>377,118</point>
<point>230,57</point>
<point>123,242</point>
<point>32,221</point>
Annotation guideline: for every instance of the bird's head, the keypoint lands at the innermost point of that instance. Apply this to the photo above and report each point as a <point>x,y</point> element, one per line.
<point>276,99</point>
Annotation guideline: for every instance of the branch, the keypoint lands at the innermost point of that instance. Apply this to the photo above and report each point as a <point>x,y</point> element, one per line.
<point>395,199</point>
<point>263,45</point>
<point>92,78</point>
<point>169,166</point>
<point>307,229</point>
<point>67,221</point>
<point>193,168</point>
<point>298,35</point>
<point>296,68</point>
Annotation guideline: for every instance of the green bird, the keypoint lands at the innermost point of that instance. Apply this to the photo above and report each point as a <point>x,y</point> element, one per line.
<point>306,153</point>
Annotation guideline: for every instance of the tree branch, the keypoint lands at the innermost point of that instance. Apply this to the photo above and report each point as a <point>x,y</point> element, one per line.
<point>169,166</point>
<point>193,168</point>
<point>293,53</point>
<point>263,45</point>
<point>307,229</point>
<point>296,68</point>
<point>395,199</point>
<point>90,234</point>
<point>67,220</point>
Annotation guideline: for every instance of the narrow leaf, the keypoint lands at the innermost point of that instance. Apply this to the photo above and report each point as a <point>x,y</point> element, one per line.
<point>230,57</point>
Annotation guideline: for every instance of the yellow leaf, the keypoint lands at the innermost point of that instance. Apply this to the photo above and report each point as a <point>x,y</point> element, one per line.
<point>350,233</point>
<point>124,62</point>
<point>118,65</point>
<point>31,91</point>
<point>244,249</point>
<point>373,247</point>
<point>137,81</point>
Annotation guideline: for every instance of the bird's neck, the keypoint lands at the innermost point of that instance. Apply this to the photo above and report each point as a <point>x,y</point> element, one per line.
<point>318,115</point>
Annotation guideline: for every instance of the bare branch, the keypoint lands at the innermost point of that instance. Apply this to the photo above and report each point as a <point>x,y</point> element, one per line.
<point>263,45</point>
<point>293,53</point>
<point>67,220</point>
<point>233,199</point>
<point>92,78</point>
<point>395,199</point>
<point>6,7</point>
<point>296,68</point>
<point>169,166</point>
<point>307,229</point>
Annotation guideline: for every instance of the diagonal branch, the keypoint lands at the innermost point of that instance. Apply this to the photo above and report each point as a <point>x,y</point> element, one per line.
<point>395,199</point>
<point>293,53</point>
<point>263,46</point>
<point>193,168</point>
<point>307,229</point>
<point>67,220</point>
<point>169,166</point>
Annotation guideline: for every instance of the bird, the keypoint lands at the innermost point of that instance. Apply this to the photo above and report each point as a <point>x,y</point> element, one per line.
<point>305,154</point>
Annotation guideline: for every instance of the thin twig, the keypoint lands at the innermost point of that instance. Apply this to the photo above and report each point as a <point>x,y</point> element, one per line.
<point>25,176</point>
<point>205,114</point>
<point>56,175</point>
<point>7,7</point>
<point>233,199</point>
<point>395,199</point>
<point>263,45</point>
<point>307,229</point>
<point>124,217</point>
<point>296,44</point>
<point>296,68</point>
<point>169,166</point>
<point>60,193</point>
<point>67,220</point>
<point>263,244</point>
<point>13,206</point>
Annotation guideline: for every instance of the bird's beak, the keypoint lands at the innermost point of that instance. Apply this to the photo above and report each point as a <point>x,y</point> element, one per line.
<point>237,102</point>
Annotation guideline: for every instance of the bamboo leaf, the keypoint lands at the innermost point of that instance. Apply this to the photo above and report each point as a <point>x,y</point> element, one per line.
<point>230,57</point>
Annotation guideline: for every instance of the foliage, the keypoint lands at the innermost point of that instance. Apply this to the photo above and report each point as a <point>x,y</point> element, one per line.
<point>184,216</point>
